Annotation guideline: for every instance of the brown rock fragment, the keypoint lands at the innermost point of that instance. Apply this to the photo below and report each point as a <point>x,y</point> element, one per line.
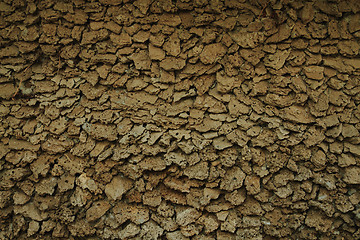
<point>81,228</point>
<point>141,60</point>
<point>297,114</point>
<point>319,159</point>
<point>5,198</point>
<point>72,164</point>
<point>7,90</point>
<point>22,145</point>
<point>170,20</point>
<point>252,184</point>
<point>198,171</point>
<point>172,63</point>
<point>97,210</point>
<point>276,60</point>
<point>94,36</point>
<point>101,131</point>
<point>352,175</point>
<point>346,160</point>
<point>131,230</point>
<point>34,226</point>
<point>135,213</point>
<point>172,45</point>
<point>236,197</point>
<point>4,149</point>
<point>203,83</point>
<point>233,179</point>
<point>349,130</point>
<point>349,48</point>
<point>307,13</point>
<point>247,39</point>
<point>121,40</point>
<point>212,53</point>
<point>118,187</point>
<point>221,143</point>
<point>66,182</point>
<point>318,220</point>
<point>187,216</point>
<point>86,182</point>
<point>156,53</point>
<point>237,108</point>
<point>31,211</point>
<point>343,203</point>
<point>46,186</point>
<point>283,33</point>
<point>314,72</point>
<point>10,51</point>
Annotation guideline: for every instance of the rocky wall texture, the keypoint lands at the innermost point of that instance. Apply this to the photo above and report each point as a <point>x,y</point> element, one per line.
<point>159,119</point>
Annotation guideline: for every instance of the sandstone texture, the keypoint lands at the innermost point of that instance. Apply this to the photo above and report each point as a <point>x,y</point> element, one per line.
<point>183,119</point>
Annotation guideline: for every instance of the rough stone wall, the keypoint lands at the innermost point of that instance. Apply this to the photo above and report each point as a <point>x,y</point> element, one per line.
<point>159,119</point>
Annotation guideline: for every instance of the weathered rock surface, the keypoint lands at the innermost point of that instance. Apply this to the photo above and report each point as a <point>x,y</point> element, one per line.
<point>155,119</point>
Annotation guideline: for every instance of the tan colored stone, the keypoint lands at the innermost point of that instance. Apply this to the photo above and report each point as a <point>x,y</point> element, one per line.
<point>101,131</point>
<point>66,182</point>
<point>172,63</point>
<point>352,175</point>
<point>187,216</point>
<point>176,235</point>
<point>276,60</point>
<point>236,197</point>
<point>153,163</point>
<point>46,186</point>
<point>247,39</point>
<point>233,179</point>
<point>318,220</point>
<point>172,45</point>
<point>170,20</point>
<point>282,34</point>
<point>94,36</point>
<point>349,130</point>
<point>314,72</point>
<point>79,197</point>
<point>152,198</point>
<point>121,40</point>
<point>141,36</point>
<point>131,230</point>
<point>135,213</point>
<point>203,83</point>
<point>97,210</point>
<point>221,143</point>
<point>297,114</point>
<point>118,187</point>
<point>251,55</point>
<point>31,211</point>
<point>210,223</point>
<point>72,164</point>
<point>319,159</point>
<point>81,228</point>
<point>212,53</point>
<point>252,185</point>
<point>156,53</point>
<point>34,226</point>
<point>237,108</point>
<point>198,171</point>
<point>22,145</point>
<point>20,198</point>
<point>9,51</point>
<point>345,160</point>
<point>86,182</point>
<point>141,60</point>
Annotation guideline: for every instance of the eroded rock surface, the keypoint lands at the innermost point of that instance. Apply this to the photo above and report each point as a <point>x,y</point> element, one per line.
<point>155,119</point>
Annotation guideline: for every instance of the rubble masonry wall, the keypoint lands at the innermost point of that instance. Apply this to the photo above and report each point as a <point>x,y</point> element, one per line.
<point>160,119</point>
